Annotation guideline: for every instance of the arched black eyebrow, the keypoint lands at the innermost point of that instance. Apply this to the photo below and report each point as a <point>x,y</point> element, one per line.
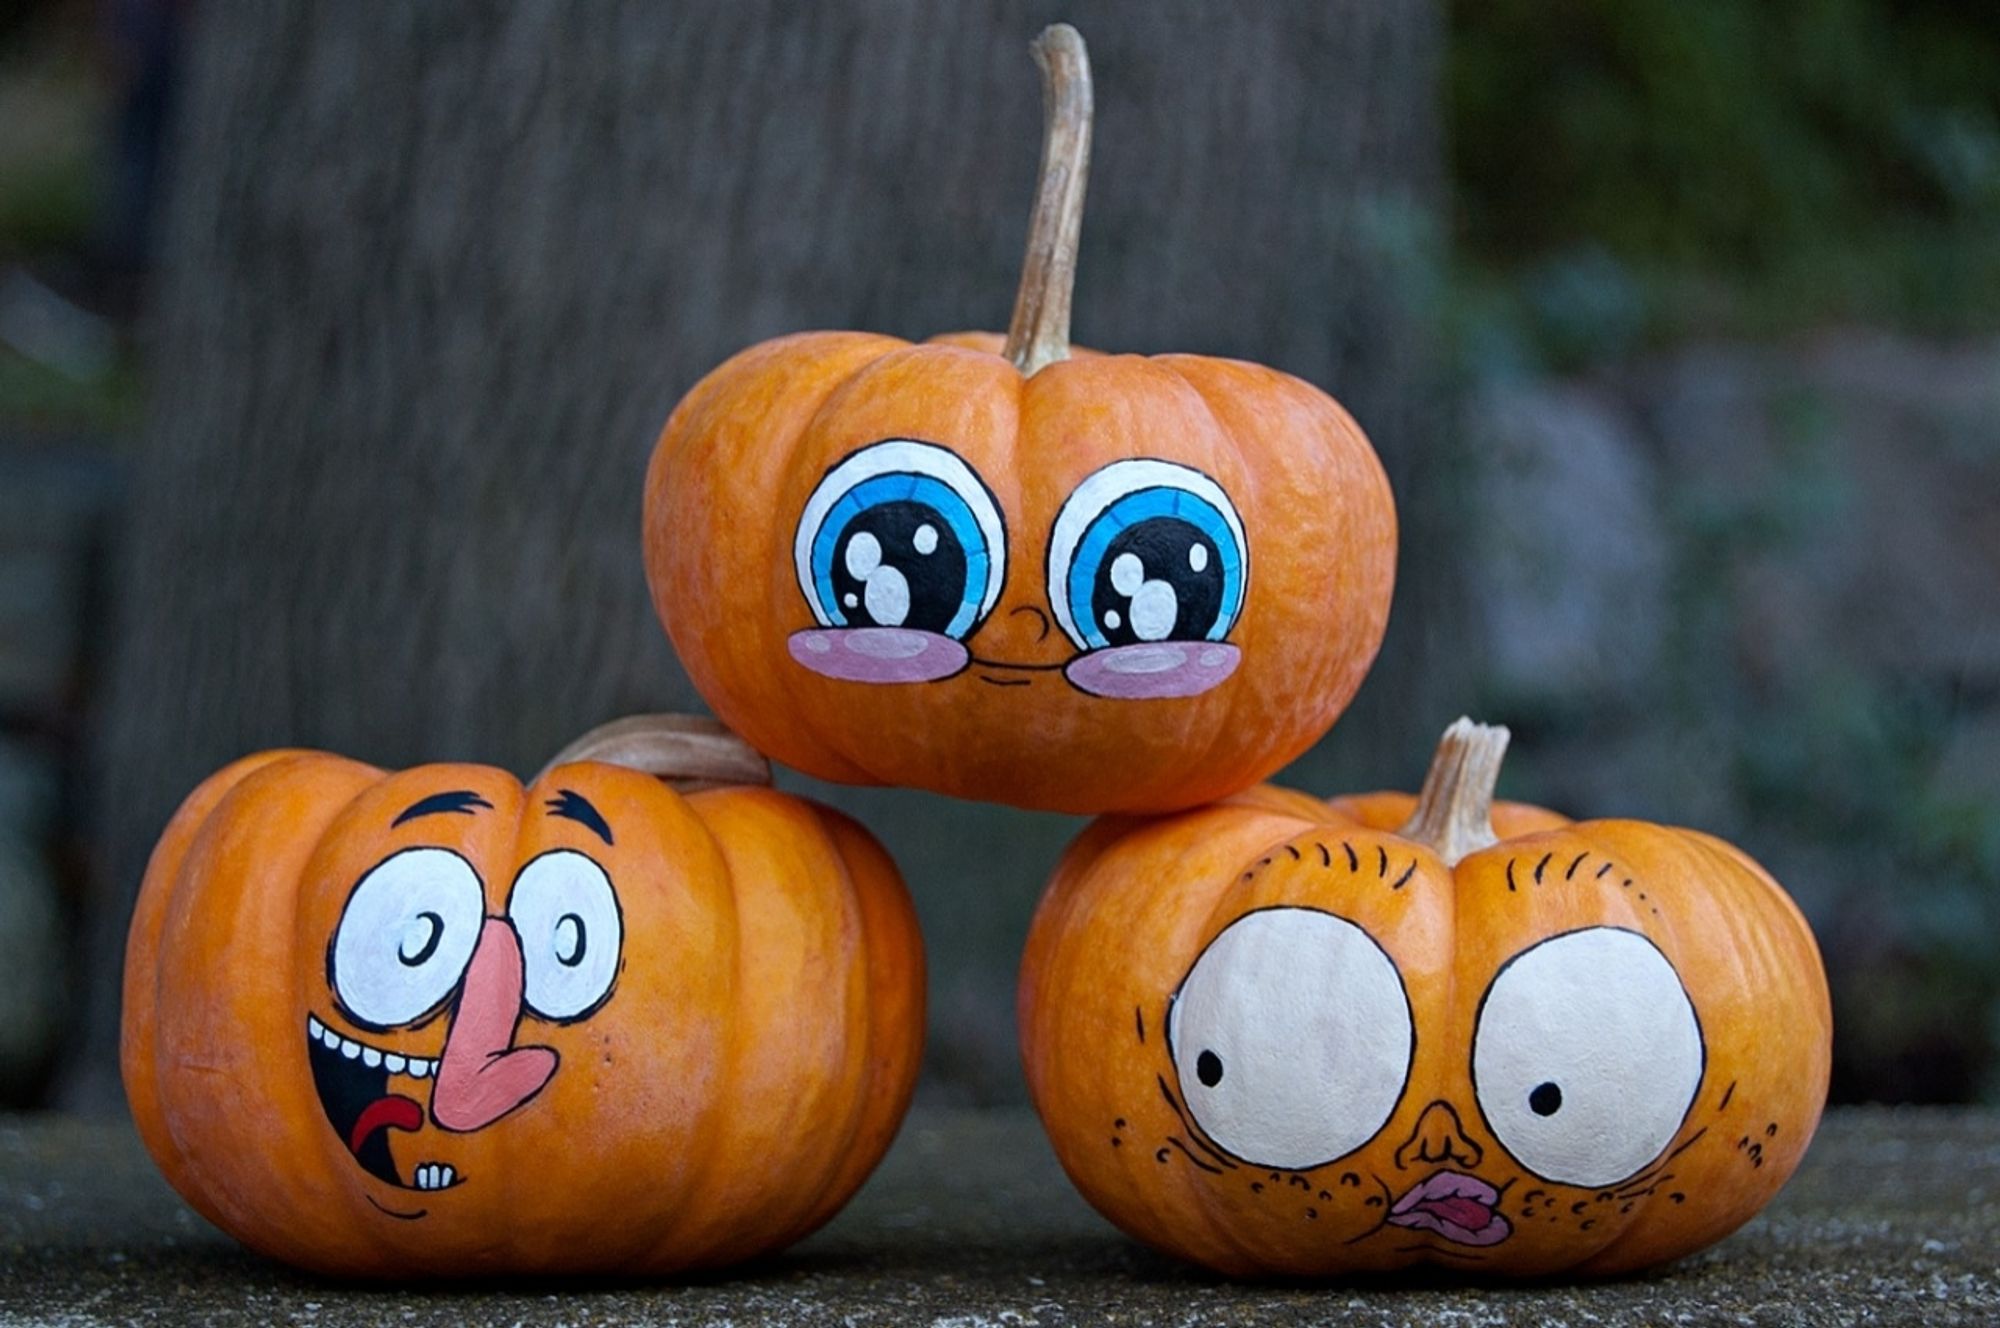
<point>462,801</point>
<point>573,805</point>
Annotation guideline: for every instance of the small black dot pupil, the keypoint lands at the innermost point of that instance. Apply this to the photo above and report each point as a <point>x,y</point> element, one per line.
<point>1208,1069</point>
<point>1546,1100</point>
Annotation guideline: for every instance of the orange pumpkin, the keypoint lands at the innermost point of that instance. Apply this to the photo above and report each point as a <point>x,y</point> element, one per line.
<point>438,1023</point>
<point>1285,1036</point>
<point>1089,583</point>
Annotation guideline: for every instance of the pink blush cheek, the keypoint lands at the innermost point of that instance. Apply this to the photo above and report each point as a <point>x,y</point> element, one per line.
<point>1154,670</point>
<point>877,654</point>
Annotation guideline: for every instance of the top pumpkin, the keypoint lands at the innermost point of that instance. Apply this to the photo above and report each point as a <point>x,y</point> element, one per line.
<point>1089,584</point>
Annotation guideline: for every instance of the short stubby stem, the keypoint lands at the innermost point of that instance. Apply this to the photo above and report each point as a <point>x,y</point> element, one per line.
<point>689,752</point>
<point>1454,815</point>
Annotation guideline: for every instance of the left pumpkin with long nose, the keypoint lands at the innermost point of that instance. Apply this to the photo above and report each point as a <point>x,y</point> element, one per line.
<point>439,1023</point>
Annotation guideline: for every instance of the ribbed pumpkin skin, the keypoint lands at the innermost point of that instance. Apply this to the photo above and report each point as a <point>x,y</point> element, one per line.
<point>743,452</point>
<point>1134,903</point>
<point>748,1068</point>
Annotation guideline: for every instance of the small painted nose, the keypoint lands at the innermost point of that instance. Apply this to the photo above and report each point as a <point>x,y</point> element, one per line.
<point>1439,1140</point>
<point>1021,634</point>
<point>482,1075</point>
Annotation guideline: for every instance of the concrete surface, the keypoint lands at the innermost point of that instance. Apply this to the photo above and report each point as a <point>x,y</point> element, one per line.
<point>1895,1218</point>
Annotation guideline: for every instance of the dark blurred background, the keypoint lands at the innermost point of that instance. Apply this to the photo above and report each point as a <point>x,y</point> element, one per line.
<point>334,339</point>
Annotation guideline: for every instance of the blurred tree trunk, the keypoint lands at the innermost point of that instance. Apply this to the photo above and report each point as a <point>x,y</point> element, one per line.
<point>433,276</point>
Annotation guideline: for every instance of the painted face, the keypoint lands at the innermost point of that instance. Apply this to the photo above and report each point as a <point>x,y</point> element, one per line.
<point>1361,1060</point>
<point>432,1022</point>
<point>426,946</point>
<point>902,552</point>
<point>439,981</point>
<point>1121,583</point>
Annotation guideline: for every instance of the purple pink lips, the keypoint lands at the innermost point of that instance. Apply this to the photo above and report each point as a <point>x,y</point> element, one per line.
<point>1461,1208</point>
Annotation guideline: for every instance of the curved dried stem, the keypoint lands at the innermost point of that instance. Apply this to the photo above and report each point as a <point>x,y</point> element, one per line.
<point>1039,333</point>
<point>689,752</point>
<point>1454,814</point>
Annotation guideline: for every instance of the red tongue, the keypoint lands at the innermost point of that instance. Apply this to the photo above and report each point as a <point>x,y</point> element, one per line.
<point>394,1112</point>
<point>1467,1214</point>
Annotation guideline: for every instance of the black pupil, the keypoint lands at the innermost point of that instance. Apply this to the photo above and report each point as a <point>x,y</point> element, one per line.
<point>1546,1100</point>
<point>1130,607</point>
<point>575,955</point>
<point>430,945</point>
<point>1208,1069</point>
<point>921,581</point>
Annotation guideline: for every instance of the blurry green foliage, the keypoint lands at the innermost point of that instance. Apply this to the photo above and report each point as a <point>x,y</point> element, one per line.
<point>1735,165</point>
<point>51,103</point>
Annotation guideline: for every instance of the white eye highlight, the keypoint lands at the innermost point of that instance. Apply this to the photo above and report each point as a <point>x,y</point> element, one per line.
<point>406,935</point>
<point>1587,1056</point>
<point>566,913</point>
<point>1291,1037</point>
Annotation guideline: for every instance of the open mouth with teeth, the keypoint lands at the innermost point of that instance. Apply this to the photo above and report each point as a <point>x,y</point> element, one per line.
<point>353,1082</point>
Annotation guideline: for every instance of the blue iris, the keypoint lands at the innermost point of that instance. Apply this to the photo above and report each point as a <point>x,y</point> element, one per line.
<point>1161,525</point>
<point>941,597</point>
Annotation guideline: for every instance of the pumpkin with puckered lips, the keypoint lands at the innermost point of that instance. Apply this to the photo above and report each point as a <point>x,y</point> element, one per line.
<point>1284,1036</point>
<point>438,1023</point>
<point>1004,571</point>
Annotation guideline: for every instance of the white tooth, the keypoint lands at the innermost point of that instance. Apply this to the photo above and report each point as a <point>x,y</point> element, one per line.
<point>314,1027</point>
<point>419,1068</point>
<point>445,1176</point>
<point>330,1038</point>
<point>394,1063</point>
<point>427,1176</point>
<point>370,1057</point>
<point>350,1048</point>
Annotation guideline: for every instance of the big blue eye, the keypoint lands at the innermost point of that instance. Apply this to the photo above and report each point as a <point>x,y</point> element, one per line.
<point>901,534</point>
<point>1147,550</point>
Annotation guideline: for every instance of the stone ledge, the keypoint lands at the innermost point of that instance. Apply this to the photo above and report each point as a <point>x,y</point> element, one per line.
<point>1894,1218</point>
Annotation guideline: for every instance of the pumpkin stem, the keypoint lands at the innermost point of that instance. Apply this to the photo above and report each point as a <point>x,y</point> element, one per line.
<point>1454,814</point>
<point>1039,334</point>
<point>689,752</point>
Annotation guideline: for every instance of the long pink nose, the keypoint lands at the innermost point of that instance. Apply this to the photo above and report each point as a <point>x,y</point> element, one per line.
<point>482,1075</point>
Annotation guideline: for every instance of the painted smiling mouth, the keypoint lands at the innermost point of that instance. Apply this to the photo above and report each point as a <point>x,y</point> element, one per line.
<point>353,1082</point>
<point>1461,1208</point>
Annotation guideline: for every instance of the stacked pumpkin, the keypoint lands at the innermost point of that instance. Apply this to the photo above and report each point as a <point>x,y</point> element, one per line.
<point>1264,1032</point>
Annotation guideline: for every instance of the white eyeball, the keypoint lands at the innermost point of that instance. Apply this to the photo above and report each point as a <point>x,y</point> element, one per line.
<point>1291,1037</point>
<point>1586,1056</point>
<point>566,913</point>
<point>406,935</point>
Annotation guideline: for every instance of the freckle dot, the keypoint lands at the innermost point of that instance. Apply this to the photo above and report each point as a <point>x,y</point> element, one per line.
<point>1116,1142</point>
<point>1678,1197</point>
<point>1312,1214</point>
<point>1118,1124</point>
